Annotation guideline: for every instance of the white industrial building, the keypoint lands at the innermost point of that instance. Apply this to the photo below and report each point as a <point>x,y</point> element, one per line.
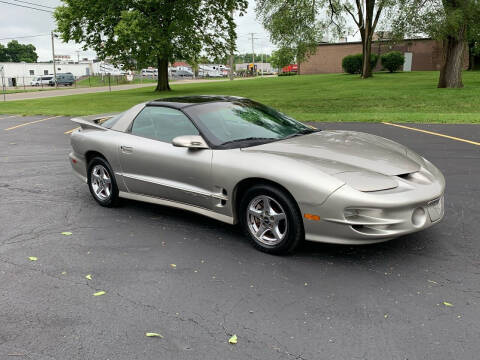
<point>37,69</point>
<point>23,73</point>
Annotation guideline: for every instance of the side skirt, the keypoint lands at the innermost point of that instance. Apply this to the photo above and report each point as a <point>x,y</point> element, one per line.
<point>178,205</point>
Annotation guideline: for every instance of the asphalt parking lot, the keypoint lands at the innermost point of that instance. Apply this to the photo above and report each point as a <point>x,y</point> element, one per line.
<point>416,297</point>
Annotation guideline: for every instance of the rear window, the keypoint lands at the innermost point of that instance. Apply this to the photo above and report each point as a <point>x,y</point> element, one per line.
<point>112,121</point>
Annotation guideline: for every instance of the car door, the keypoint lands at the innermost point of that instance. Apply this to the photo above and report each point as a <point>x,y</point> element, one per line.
<point>152,166</point>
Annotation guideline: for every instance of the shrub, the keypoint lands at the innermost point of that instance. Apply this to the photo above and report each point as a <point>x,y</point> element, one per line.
<point>393,61</point>
<point>352,64</point>
<point>287,73</point>
<point>373,60</point>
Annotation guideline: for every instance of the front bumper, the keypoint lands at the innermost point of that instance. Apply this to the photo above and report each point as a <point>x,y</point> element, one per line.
<point>349,216</point>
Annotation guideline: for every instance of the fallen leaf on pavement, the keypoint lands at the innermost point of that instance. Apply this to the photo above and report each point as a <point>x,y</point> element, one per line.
<point>433,282</point>
<point>66,233</point>
<point>88,277</point>
<point>173,266</point>
<point>233,339</point>
<point>152,334</point>
<point>99,293</point>
<point>32,258</point>
<point>447,304</point>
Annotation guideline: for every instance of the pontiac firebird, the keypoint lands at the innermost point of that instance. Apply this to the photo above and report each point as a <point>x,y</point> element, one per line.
<point>238,161</point>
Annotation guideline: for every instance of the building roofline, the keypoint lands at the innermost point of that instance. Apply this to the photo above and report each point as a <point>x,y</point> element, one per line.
<point>373,41</point>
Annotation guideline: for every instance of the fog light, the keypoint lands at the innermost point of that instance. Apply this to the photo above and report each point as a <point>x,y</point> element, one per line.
<point>419,217</point>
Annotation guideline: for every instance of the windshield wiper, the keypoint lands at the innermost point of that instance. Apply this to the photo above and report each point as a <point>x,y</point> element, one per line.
<point>302,132</point>
<point>247,139</point>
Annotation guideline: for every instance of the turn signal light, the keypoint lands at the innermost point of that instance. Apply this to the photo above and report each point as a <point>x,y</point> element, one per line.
<point>312,217</point>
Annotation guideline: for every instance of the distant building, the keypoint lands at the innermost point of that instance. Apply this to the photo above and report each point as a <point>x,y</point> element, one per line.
<point>23,73</point>
<point>420,55</point>
<point>259,66</point>
<point>37,69</point>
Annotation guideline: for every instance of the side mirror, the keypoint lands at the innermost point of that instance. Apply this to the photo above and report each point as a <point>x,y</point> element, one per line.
<point>190,141</point>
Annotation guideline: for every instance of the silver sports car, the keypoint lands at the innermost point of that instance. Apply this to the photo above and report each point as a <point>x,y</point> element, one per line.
<point>238,161</point>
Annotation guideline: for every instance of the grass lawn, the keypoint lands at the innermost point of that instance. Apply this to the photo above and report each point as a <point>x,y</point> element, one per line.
<point>400,97</point>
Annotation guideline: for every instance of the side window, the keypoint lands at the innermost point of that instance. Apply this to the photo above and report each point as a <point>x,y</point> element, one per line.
<point>162,123</point>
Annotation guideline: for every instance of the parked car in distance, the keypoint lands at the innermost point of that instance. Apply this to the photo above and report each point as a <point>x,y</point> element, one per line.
<point>181,73</point>
<point>66,79</point>
<point>42,80</point>
<point>150,72</point>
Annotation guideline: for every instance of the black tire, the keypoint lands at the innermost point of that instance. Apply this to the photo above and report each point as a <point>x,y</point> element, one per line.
<point>294,234</point>
<point>113,199</point>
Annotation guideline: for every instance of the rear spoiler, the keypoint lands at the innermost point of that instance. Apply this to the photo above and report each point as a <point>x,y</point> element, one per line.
<point>92,123</point>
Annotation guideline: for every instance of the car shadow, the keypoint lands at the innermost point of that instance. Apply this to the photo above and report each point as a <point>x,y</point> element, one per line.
<point>232,237</point>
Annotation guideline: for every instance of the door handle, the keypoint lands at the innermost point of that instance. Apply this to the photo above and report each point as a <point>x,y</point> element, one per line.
<point>126,149</point>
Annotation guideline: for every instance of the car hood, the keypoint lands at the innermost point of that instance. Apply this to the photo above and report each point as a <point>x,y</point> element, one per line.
<point>338,152</point>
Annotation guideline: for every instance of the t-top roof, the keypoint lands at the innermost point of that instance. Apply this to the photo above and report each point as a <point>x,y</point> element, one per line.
<point>184,101</point>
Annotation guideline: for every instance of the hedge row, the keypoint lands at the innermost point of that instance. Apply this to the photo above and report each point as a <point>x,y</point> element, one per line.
<point>392,61</point>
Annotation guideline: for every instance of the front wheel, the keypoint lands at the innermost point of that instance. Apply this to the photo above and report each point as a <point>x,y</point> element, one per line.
<point>271,219</point>
<point>101,182</point>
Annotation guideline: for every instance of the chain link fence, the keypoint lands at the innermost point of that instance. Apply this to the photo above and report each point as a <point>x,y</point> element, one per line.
<point>47,82</point>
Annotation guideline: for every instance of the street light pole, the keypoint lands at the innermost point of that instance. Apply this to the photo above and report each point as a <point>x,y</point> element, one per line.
<point>53,56</point>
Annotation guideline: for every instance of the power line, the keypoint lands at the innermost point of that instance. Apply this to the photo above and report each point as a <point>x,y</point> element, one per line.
<point>24,37</point>
<point>26,2</point>
<point>28,7</point>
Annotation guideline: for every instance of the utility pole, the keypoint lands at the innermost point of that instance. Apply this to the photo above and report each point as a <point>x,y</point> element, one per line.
<point>53,56</point>
<point>253,50</point>
<point>232,46</point>
<point>262,62</point>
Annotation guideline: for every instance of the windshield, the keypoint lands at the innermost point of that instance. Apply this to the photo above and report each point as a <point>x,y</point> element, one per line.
<point>243,123</point>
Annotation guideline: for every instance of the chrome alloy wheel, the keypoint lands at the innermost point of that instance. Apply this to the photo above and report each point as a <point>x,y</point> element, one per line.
<point>101,182</point>
<point>266,220</point>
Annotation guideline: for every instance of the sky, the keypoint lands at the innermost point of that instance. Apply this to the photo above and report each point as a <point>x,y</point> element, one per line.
<point>17,22</point>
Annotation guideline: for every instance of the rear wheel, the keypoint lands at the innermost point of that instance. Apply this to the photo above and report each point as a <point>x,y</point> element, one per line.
<point>271,219</point>
<point>101,182</point>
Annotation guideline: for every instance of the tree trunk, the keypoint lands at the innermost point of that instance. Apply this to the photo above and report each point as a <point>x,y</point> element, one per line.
<point>367,52</point>
<point>367,40</point>
<point>162,80</point>
<point>452,66</point>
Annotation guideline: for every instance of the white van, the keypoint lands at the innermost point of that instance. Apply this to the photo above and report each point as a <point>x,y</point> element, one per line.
<point>46,80</point>
<point>150,72</point>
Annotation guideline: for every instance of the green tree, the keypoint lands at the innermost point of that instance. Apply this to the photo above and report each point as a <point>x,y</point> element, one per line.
<point>366,15</point>
<point>282,57</point>
<point>140,33</point>
<point>300,24</point>
<point>16,52</point>
<point>3,54</point>
<point>293,24</point>
<point>454,22</point>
